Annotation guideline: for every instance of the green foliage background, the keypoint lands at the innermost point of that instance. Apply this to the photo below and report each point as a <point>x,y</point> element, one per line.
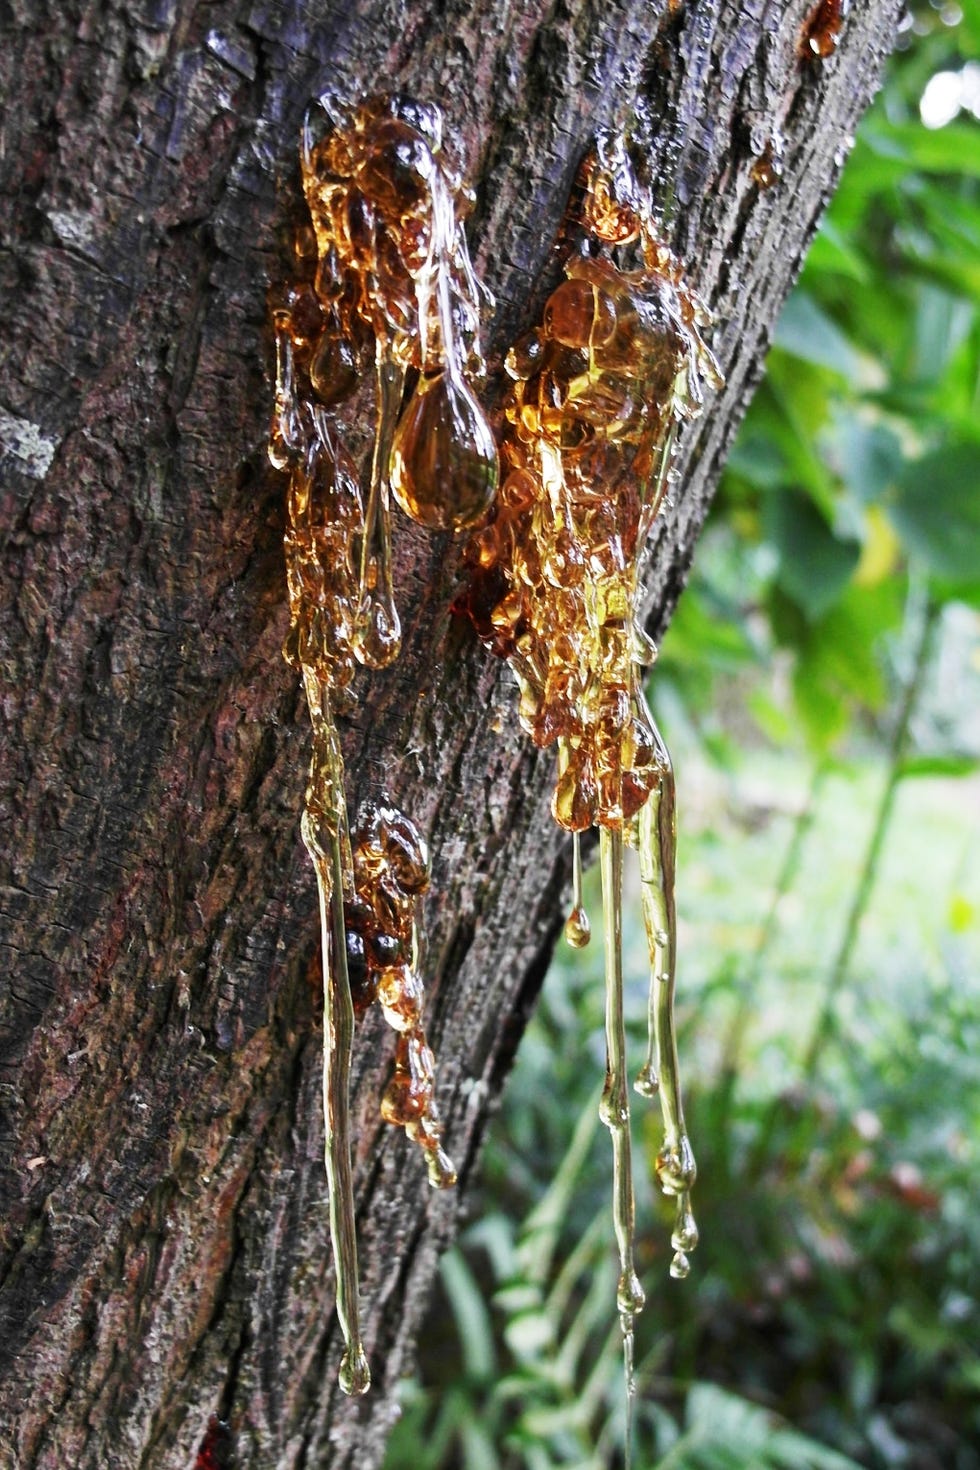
<point>820,691</point>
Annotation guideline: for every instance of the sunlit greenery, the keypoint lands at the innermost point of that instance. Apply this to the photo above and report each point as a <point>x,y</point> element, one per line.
<point>820,690</point>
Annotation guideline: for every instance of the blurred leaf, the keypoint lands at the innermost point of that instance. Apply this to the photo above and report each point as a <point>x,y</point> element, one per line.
<point>472,1317</point>
<point>809,333</point>
<point>792,407</point>
<point>725,1432</point>
<point>881,552</point>
<point>838,669</point>
<point>941,324</point>
<point>518,1296</point>
<point>962,915</point>
<point>698,632</point>
<point>529,1333</point>
<point>832,254</point>
<point>478,1448</point>
<point>814,565</point>
<point>953,149</point>
<point>758,456</point>
<point>869,455</point>
<point>939,765</point>
<point>936,510</point>
<point>822,710</point>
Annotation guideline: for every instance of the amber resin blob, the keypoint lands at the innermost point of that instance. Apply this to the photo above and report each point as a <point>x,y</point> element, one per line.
<point>598,390</point>
<point>382,287</point>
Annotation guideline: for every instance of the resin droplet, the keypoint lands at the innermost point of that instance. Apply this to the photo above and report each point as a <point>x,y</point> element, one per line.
<point>334,370</point>
<point>821,31</point>
<point>444,461</point>
<point>685,1232</point>
<point>578,314</point>
<point>578,930</point>
<point>355,1375</point>
<point>767,169</point>
<point>630,1296</point>
<point>676,1168</point>
<point>378,631</point>
<point>680,1266</point>
<point>647,1082</point>
<point>442,1170</point>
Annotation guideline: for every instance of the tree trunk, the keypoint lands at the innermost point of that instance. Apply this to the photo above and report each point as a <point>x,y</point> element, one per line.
<point>166,1254</point>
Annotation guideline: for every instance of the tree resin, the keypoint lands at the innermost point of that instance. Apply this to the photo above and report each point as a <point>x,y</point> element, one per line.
<point>598,390</point>
<point>382,284</point>
<point>822,28</point>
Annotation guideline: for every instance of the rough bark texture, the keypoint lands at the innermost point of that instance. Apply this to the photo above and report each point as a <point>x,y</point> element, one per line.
<point>165,1245</point>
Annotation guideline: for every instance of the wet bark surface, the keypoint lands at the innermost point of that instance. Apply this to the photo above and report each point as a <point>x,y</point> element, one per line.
<point>165,1250</point>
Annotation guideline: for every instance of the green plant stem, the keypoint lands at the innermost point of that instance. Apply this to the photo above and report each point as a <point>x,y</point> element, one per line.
<point>824,1028</point>
<point>745,1006</point>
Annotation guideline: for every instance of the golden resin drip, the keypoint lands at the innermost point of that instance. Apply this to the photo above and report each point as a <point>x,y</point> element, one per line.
<point>325,836</point>
<point>578,930</point>
<point>821,32</point>
<point>378,633</point>
<point>676,1170</point>
<point>390,866</point>
<point>614,1109</point>
<point>383,282</point>
<point>598,390</point>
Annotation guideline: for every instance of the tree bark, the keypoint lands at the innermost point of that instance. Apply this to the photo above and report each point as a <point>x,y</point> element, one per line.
<point>165,1248</point>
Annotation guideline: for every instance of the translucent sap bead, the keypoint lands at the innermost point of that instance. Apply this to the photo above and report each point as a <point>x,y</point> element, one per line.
<point>401,996</point>
<point>355,1375</point>
<point>647,1083</point>
<point>578,930</point>
<point>612,1112</point>
<point>378,633</point>
<point>573,803</point>
<point>444,459</point>
<point>767,168</point>
<point>685,1235</point>
<point>822,28</point>
<point>334,369</point>
<point>442,1170</point>
<point>680,1266</point>
<point>630,1296</point>
<point>676,1169</point>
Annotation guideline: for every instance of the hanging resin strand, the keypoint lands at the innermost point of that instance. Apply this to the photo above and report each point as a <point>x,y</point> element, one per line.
<point>390,866</point>
<point>443,438</point>
<point>578,930</point>
<point>676,1169</point>
<point>590,423</point>
<point>324,833</point>
<point>378,634</point>
<point>324,515</point>
<point>614,1109</point>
